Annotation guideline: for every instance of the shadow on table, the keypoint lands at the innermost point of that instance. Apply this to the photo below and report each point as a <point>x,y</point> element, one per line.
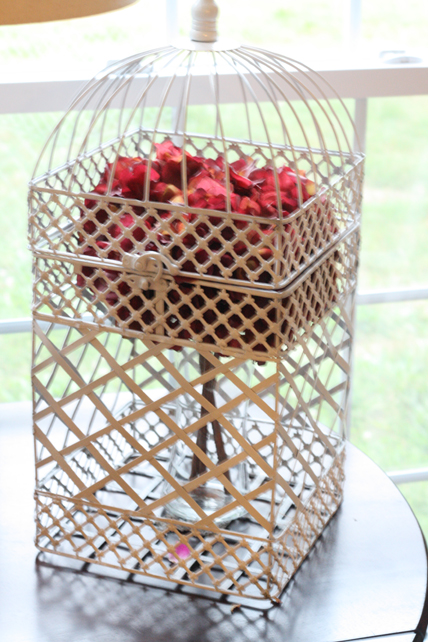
<point>85,605</point>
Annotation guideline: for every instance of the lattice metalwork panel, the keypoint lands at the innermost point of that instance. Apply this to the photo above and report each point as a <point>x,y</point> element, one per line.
<point>181,313</point>
<point>242,245</point>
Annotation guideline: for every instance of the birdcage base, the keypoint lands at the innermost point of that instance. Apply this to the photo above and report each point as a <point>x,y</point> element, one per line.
<point>235,562</point>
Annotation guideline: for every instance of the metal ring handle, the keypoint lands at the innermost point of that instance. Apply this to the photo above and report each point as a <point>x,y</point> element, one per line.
<point>149,262</point>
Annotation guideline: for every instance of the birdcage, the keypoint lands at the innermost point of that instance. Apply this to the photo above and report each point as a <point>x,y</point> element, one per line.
<point>194,221</point>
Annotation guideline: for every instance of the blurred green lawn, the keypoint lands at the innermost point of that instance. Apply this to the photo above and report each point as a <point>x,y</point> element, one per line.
<point>390,400</point>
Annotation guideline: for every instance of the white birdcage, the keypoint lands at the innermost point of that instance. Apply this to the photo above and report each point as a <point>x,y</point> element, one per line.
<point>194,220</point>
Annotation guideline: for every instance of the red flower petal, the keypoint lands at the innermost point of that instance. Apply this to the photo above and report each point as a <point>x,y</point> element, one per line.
<point>133,180</point>
<point>197,199</point>
<point>114,230</point>
<point>215,168</point>
<point>253,237</point>
<point>249,206</point>
<point>241,184</point>
<point>240,248</point>
<point>89,227</point>
<point>127,220</point>
<point>217,202</point>
<point>209,185</point>
<point>201,256</point>
<point>171,173</point>
<point>126,245</point>
<point>167,150</point>
<point>164,192</point>
<point>239,165</point>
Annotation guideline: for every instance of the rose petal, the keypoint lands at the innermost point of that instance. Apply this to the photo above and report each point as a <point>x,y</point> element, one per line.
<point>241,184</point>
<point>171,173</point>
<point>209,185</point>
<point>249,206</point>
<point>167,150</point>
<point>133,180</point>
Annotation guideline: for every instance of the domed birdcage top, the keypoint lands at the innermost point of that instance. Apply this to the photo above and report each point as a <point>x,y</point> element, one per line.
<point>183,133</point>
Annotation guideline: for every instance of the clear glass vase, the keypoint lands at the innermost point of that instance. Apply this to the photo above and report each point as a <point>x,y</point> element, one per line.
<point>216,442</point>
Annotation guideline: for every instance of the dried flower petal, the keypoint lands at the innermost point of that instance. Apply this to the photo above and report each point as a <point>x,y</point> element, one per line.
<point>195,240</point>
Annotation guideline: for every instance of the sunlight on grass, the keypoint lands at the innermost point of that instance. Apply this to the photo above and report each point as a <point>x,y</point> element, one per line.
<point>395,210</point>
<point>390,404</point>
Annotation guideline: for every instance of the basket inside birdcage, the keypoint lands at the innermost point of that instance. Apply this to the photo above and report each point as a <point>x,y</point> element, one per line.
<point>194,221</point>
<point>256,323</point>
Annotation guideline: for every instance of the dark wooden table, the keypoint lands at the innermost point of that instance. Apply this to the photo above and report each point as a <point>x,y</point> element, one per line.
<point>365,578</point>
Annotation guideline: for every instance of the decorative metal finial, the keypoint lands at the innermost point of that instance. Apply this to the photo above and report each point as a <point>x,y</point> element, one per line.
<point>204,21</point>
